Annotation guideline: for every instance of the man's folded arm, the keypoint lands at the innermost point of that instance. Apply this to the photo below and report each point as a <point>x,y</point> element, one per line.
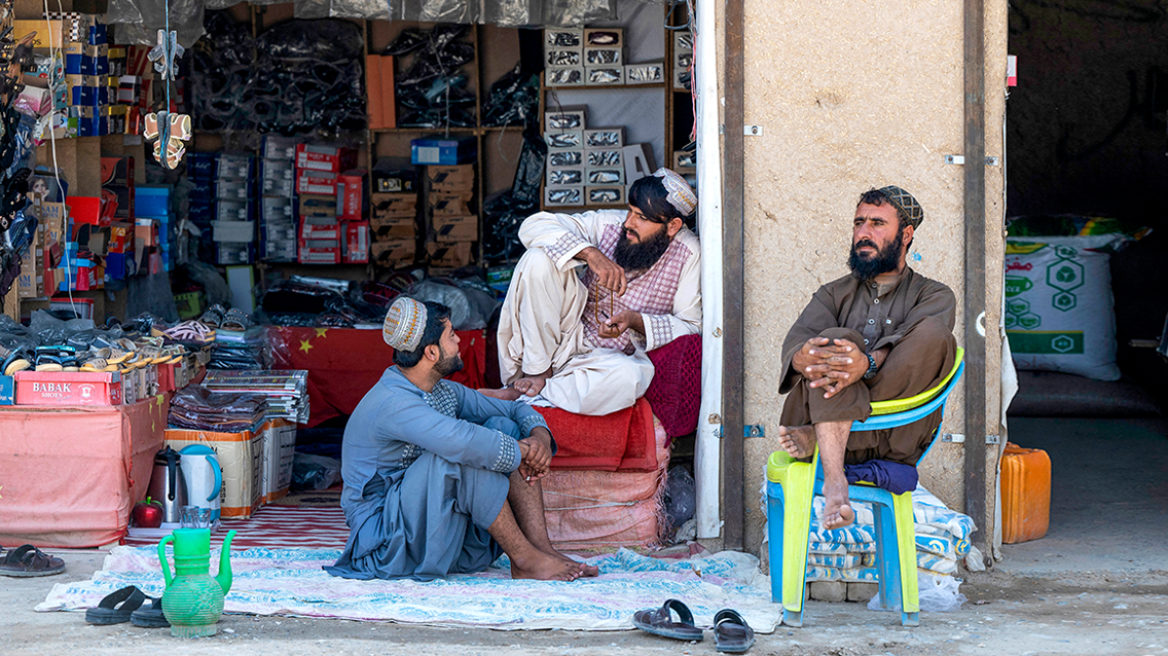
<point>456,440</point>
<point>477,408</point>
<point>562,236</point>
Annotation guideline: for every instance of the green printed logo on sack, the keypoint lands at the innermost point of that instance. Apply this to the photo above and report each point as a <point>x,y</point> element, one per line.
<point>1058,313</point>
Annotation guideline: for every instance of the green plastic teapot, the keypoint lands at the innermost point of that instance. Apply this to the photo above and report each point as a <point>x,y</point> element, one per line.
<point>193,601</point>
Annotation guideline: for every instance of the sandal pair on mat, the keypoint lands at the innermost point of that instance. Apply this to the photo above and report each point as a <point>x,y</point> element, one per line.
<point>128,605</point>
<point>731,632</point>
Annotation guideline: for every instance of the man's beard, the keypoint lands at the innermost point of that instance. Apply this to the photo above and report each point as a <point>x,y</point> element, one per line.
<point>636,257</point>
<point>886,259</point>
<point>447,365</point>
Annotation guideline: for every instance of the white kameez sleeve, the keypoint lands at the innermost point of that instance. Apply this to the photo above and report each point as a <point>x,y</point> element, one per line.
<point>686,319</point>
<point>563,236</point>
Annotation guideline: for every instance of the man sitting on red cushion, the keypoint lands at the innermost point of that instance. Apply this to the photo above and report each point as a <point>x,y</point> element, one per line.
<point>594,292</point>
<point>438,478</point>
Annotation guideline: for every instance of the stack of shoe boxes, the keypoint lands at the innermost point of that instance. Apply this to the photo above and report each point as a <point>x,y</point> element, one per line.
<point>564,133</point>
<point>393,221</point>
<point>155,226</point>
<point>454,227</point>
<point>233,227</point>
<point>352,189</point>
<point>87,69</point>
<point>317,169</point>
<point>117,191</point>
<point>604,56</point>
<point>563,54</point>
<point>278,227</point>
<point>604,168</point>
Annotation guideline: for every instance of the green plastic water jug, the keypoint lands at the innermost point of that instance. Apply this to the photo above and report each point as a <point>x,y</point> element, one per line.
<point>193,600</point>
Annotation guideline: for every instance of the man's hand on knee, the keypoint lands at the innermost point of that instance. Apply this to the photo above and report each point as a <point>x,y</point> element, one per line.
<point>536,454</point>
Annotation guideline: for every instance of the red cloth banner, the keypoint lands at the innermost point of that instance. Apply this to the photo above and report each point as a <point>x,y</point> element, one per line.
<point>345,363</point>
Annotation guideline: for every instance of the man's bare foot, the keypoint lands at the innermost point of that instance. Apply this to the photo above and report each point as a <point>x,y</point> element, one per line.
<point>837,513</point>
<point>545,567</point>
<point>588,570</point>
<point>504,394</point>
<point>798,441</point>
<point>530,385</point>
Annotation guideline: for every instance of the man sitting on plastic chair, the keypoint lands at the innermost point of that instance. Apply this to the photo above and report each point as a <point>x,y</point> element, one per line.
<point>883,332</point>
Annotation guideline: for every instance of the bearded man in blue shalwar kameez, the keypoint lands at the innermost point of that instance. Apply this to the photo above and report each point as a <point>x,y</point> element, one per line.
<point>440,479</point>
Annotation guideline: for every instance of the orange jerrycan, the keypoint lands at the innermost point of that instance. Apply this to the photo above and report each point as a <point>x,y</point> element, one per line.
<point>1025,494</point>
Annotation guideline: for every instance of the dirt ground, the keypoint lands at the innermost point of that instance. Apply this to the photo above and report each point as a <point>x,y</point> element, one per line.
<point>1096,614</point>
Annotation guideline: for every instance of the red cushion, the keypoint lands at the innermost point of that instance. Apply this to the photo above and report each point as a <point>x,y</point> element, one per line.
<point>676,391</point>
<point>620,441</point>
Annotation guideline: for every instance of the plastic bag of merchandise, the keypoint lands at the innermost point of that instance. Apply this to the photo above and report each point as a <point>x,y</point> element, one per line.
<point>1060,313</point>
<point>51,330</point>
<point>937,594</point>
<point>513,100</point>
<point>529,171</point>
<point>680,496</point>
<point>311,472</point>
<point>464,315</point>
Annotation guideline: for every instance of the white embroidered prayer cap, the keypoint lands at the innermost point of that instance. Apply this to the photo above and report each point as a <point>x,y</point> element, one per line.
<point>404,324</point>
<point>681,195</point>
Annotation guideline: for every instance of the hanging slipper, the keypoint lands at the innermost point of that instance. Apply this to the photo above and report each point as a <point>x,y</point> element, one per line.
<point>731,632</point>
<point>660,621</point>
<point>116,607</point>
<point>151,616</point>
<point>28,561</point>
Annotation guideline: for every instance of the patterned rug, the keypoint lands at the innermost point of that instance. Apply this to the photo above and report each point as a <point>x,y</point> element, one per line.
<point>291,582</point>
<point>279,527</point>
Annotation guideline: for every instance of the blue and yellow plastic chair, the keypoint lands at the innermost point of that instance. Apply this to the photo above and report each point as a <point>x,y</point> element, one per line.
<point>791,486</point>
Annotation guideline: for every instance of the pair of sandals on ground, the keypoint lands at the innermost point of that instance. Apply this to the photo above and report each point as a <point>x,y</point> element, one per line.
<point>131,605</point>
<point>731,632</point>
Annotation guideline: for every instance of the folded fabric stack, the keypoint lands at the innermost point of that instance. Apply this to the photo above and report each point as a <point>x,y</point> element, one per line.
<point>238,350</point>
<point>198,408</point>
<point>286,392</point>
<point>849,553</point>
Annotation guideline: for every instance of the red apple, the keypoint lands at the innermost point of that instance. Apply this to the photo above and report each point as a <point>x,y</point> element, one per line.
<point>147,514</point>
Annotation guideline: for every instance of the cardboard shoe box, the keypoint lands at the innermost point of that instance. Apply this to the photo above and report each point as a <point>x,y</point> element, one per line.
<point>450,255</point>
<point>327,159</point>
<point>392,254</point>
<point>453,229</point>
<point>451,178</point>
<point>68,388</point>
<point>391,205</point>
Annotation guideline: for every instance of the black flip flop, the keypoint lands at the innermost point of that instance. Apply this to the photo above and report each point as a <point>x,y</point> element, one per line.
<point>150,617</point>
<point>660,621</point>
<point>731,632</point>
<point>28,561</point>
<point>116,607</point>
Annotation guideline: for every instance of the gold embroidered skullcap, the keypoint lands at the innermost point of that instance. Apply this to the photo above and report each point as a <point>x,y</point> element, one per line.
<point>907,207</point>
<point>681,195</point>
<point>404,324</point>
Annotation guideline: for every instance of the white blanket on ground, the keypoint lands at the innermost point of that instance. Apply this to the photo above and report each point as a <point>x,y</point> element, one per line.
<point>291,582</point>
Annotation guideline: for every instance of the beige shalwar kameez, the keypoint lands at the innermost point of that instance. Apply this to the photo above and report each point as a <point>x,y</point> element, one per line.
<point>555,306</point>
